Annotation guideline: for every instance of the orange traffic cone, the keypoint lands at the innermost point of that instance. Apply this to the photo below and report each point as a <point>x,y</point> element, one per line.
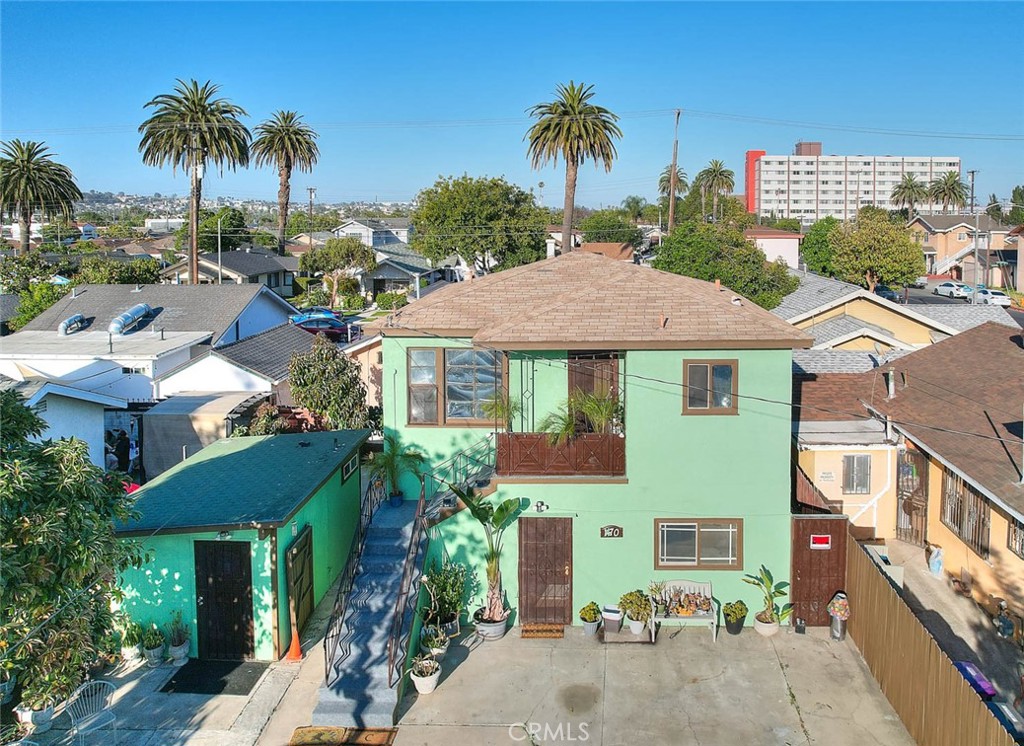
<point>294,653</point>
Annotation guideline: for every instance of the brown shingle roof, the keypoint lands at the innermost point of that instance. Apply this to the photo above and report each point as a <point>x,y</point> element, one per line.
<point>582,300</point>
<point>611,250</point>
<point>771,233</point>
<point>834,397</point>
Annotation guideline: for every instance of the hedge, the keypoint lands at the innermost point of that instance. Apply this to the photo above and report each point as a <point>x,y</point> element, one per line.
<point>391,301</point>
<point>353,302</point>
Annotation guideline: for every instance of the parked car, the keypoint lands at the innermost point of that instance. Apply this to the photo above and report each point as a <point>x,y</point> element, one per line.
<point>319,309</point>
<point>953,289</point>
<point>888,293</point>
<point>994,298</point>
<point>308,315</point>
<point>920,283</point>
<point>333,329</point>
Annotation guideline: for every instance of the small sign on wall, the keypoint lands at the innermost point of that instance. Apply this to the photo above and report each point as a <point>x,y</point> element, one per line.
<point>821,541</point>
<point>611,532</point>
<point>826,476</point>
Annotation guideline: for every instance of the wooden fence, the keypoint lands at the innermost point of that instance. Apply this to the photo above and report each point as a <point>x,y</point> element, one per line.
<point>934,701</point>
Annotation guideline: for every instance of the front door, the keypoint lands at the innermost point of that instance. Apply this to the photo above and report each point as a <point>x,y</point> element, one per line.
<point>299,571</point>
<point>819,566</point>
<point>912,497</point>
<point>545,570</point>
<point>224,599</point>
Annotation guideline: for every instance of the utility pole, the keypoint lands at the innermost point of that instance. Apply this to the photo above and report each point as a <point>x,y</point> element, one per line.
<point>312,194</point>
<point>220,266</point>
<point>974,294</point>
<point>672,176</point>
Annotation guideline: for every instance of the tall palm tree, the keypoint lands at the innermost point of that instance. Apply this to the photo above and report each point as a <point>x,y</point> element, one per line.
<point>949,190</point>
<point>30,179</point>
<point>719,180</point>
<point>287,142</point>
<point>634,206</point>
<point>575,129</point>
<point>188,128</point>
<point>665,181</point>
<point>909,192</point>
<point>700,182</point>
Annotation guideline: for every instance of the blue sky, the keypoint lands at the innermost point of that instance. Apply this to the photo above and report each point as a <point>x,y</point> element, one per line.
<point>404,92</point>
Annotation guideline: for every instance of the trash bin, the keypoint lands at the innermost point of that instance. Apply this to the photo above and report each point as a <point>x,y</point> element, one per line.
<point>838,628</point>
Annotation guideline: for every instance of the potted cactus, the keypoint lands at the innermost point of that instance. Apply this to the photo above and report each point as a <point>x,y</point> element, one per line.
<point>178,641</point>
<point>637,606</point>
<point>153,646</point>
<point>590,615</point>
<point>735,615</point>
<point>425,673</point>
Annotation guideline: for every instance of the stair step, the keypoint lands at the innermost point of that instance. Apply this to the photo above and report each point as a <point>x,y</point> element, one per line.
<point>383,563</point>
<point>390,545</point>
<point>371,709</point>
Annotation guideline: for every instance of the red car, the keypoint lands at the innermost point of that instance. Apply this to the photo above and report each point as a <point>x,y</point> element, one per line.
<point>336,331</point>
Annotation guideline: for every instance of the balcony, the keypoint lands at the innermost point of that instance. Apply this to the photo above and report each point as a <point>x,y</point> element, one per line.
<point>586,455</point>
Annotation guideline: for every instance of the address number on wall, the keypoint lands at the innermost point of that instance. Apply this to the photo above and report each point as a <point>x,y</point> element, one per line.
<point>611,532</point>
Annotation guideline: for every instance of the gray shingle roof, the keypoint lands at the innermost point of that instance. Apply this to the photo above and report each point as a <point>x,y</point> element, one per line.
<point>245,262</point>
<point>837,326</point>
<point>178,308</point>
<point>404,256</point>
<point>841,361</point>
<point>383,224</point>
<point>8,306</point>
<point>813,292</point>
<point>966,316</point>
<point>269,352</point>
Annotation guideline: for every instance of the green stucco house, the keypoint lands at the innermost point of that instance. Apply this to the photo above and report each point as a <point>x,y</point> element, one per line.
<point>687,476</point>
<point>245,537</point>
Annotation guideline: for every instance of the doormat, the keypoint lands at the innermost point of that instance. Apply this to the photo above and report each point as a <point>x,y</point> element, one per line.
<point>215,677</point>
<point>542,631</point>
<point>320,736</point>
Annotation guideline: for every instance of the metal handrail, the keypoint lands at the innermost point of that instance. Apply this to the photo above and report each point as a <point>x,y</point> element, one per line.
<point>334,652</point>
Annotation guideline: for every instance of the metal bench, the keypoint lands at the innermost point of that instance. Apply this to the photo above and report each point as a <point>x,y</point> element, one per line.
<point>682,587</point>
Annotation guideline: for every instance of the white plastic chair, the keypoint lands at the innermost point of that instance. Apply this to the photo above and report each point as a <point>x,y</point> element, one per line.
<point>89,708</point>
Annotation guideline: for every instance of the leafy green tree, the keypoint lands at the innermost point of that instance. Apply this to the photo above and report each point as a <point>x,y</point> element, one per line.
<point>99,270</point>
<point>58,231</point>
<point>574,129</point>
<point>87,247</point>
<point>60,555</point>
<point>189,128</point>
<point>17,273</point>
<point>873,249</point>
<point>716,252</point>
<point>266,420</point>
<point>262,238</point>
<point>327,382</point>
<point>818,246</point>
<point>285,141</point>
<point>948,190</point>
<point>233,231</point>
<point>478,217</point>
<point>608,226</point>
<point>633,206</point>
<point>995,208</point>
<point>908,193</point>
<point>134,216</point>
<point>298,222</point>
<point>336,260</point>
<point>31,180</point>
<point>34,300</point>
<point>120,230</point>
<point>1016,214</point>
<point>731,211</point>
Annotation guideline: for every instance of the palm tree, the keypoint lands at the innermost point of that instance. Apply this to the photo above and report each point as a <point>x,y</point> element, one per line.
<point>634,206</point>
<point>949,190</point>
<point>575,129</point>
<point>909,192</point>
<point>287,142</point>
<point>665,181</point>
<point>30,179</point>
<point>701,183</point>
<point>189,127</point>
<point>718,180</point>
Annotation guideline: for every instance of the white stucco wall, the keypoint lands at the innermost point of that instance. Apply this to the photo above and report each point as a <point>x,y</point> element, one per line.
<point>261,314</point>
<point>787,248</point>
<point>211,374</point>
<point>66,418</point>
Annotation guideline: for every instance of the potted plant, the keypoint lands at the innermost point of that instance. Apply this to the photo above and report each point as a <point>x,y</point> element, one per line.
<point>433,641</point>
<point>36,709</point>
<point>502,409</point>
<point>8,680</point>
<point>446,586</point>
<point>766,621</point>
<point>657,591</point>
<point>491,619</point>
<point>178,640</point>
<point>735,615</point>
<point>580,414</point>
<point>612,618</point>
<point>637,606</point>
<point>131,639</point>
<point>13,734</point>
<point>389,465</point>
<point>425,672</point>
<point>153,646</point>
<point>590,615</point>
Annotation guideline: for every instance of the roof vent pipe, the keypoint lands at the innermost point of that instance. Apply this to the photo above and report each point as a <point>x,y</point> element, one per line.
<point>718,285</point>
<point>890,383</point>
<point>71,324</point>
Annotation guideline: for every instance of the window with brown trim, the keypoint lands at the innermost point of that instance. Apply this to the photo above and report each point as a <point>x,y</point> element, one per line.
<point>451,385</point>
<point>1015,537</point>
<point>698,543</point>
<point>710,386</point>
<point>965,512</point>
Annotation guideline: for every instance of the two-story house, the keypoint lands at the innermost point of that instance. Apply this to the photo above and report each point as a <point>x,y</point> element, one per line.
<point>688,476</point>
<point>375,231</point>
<point>948,244</point>
<point>255,265</point>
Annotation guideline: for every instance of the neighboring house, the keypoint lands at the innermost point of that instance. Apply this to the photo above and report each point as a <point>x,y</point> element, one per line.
<point>258,364</point>
<point>164,225</point>
<point>88,231</point>
<point>948,241</point>
<point>305,241</point>
<point>175,324</point>
<point>244,539</point>
<point>400,269</point>
<point>367,352</point>
<point>689,480</point>
<point>622,251</point>
<point>9,303</point>
<point>68,412</point>
<point>239,267</point>
<point>554,240</point>
<point>776,244</point>
<point>375,232</point>
<point>946,455</point>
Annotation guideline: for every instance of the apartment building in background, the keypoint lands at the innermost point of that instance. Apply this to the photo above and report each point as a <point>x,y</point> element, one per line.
<point>809,186</point>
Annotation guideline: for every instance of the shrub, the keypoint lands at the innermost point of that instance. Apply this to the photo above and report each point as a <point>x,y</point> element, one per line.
<point>391,301</point>
<point>353,302</point>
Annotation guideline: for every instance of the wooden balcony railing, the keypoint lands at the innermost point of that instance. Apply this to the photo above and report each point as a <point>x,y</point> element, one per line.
<point>533,455</point>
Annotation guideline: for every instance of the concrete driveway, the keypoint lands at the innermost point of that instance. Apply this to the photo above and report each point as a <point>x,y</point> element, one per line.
<point>791,689</point>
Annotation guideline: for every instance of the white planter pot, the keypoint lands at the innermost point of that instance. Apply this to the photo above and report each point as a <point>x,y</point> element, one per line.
<point>131,654</point>
<point>39,720</point>
<point>426,684</point>
<point>179,653</point>
<point>590,628</point>
<point>436,652</point>
<point>154,656</point>
<point>7,689</point>
<point>612,617</point>
<point>636,627</point>
<point>489,630</point>
<point>764,629</point>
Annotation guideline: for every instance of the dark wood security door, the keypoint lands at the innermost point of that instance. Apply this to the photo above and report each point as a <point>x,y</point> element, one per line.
<point>912,497</point>
<point>545,570</point>
<point>224,599</point>
<point>299,569</point>
<point>819,566</point>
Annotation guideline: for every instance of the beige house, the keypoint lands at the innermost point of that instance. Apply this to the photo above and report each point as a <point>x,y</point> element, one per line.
<point>948,242</point>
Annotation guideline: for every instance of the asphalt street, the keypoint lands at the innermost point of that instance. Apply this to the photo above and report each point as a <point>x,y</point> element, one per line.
<point>918,297</point>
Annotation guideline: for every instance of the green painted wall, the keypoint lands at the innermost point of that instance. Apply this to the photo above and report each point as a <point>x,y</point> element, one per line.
<point>333,512</point>
<point>168,584</point>
<point>677,467</point>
